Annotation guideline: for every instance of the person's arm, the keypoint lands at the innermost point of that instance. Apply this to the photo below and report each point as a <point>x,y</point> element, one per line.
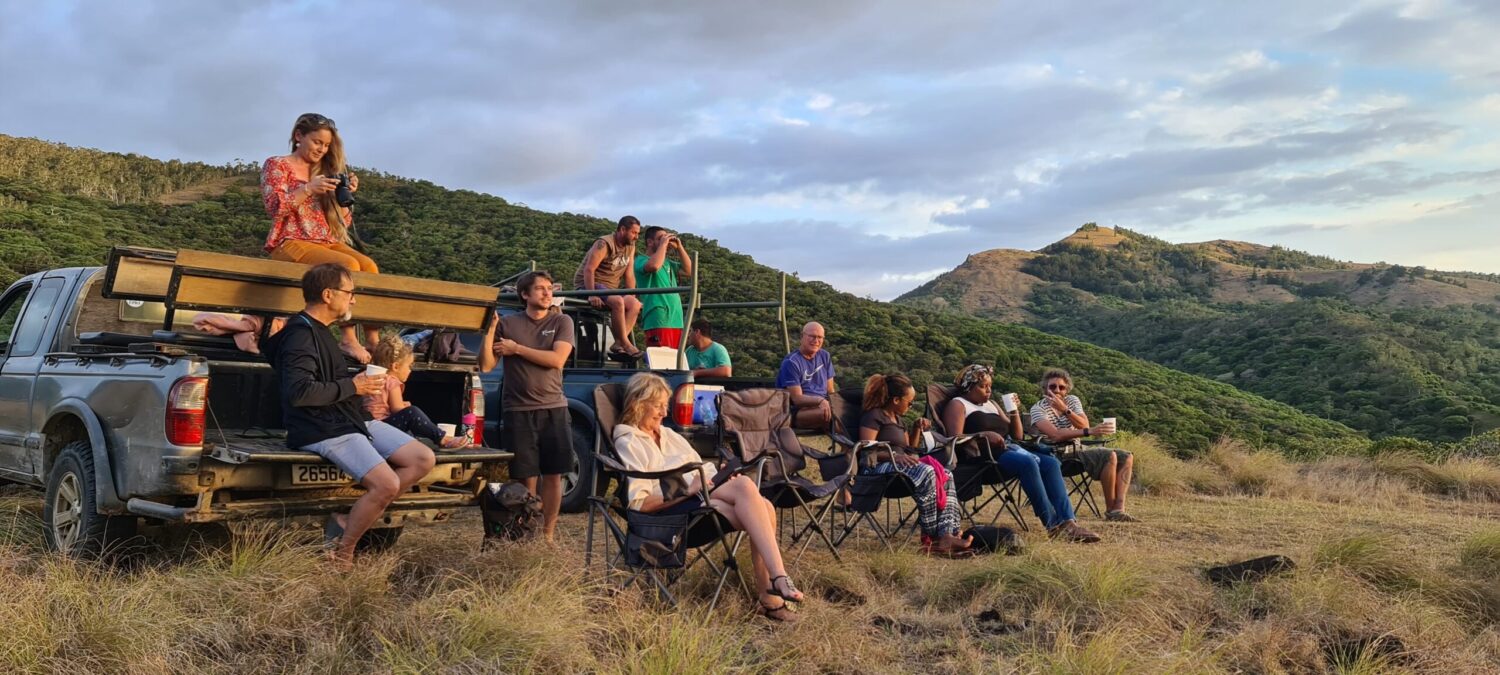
<point>686,269</point>
<point>914,435</point>
<point>591,262</point>
<point>953,418</point>
<point>802,400</point>
<point>394,400</point>
<point>299,375</point>
<point>627,280</point>
<point>487,359</point>
<point>719,363</point>
<point>719,371</point>
<point>655,259</point>
<point>1073,409</point>
<point>280,198</point>
<point>554,358</point>
<point>1056,435</point>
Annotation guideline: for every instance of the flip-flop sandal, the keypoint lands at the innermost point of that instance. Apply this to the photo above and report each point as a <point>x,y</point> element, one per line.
<point>781,614</point>
<point>784,595</point>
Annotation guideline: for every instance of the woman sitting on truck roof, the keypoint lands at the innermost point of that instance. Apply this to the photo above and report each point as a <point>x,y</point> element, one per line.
<point>644,444</point>
<point>308,224</point>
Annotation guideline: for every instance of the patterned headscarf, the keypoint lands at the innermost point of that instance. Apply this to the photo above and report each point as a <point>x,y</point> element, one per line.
<point>971,375</point>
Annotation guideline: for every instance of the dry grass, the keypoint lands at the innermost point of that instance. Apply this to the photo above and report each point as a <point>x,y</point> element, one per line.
<point>1394,575</point>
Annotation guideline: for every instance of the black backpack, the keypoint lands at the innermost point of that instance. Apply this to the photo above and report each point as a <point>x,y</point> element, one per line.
<point>510,512</point>
<point>991,539</point>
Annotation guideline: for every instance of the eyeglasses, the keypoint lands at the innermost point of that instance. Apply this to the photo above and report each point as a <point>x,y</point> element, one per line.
<point>812,337</point>
<point>317,120</point>
<point>340,290</point>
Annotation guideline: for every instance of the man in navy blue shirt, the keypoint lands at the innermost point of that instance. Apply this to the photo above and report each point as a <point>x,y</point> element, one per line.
<point>807,374</point>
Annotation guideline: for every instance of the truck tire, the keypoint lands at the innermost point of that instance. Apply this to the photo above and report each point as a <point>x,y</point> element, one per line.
<point>70,522</point>
<point>379,540</point>
<point>578,484</point>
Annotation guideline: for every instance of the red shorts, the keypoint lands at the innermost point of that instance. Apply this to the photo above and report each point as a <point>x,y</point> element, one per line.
<point>664,337</point>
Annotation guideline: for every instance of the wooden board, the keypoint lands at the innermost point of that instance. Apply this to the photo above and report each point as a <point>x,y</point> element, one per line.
<point>228,283</point>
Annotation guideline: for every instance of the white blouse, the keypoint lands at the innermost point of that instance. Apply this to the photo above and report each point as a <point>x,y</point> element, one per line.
<point>639,452</point>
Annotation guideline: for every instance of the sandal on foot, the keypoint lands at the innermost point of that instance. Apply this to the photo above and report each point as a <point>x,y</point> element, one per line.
<point>1121,517</point>
<point>781,613</point>
<point>785,591</point>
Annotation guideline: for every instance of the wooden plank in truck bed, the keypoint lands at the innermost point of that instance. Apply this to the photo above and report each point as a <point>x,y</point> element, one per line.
<point>218,282</point>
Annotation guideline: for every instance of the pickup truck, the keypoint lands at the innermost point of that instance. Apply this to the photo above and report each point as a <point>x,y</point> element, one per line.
<point>125,415</point>
<point>589,367</point>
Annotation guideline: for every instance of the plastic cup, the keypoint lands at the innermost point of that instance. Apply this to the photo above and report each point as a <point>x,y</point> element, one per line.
<point>1109,422</point>
<point>1008,402</point>
<point>373,370</point>
<point>448,429</point>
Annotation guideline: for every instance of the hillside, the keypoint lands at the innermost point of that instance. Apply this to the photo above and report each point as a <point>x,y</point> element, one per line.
<point>1386,349</point>
<point>417,228</point>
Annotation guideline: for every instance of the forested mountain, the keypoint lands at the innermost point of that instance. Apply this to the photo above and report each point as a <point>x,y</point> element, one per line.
<point>1386,349</point>
<point>53,217</point>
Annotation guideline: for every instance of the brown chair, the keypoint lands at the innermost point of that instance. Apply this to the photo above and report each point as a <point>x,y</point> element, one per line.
<point>650,547</point>
<point>755,426</point>
<point>976,468</point>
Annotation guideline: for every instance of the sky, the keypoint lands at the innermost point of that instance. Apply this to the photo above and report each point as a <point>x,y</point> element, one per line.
<point>871,145</point>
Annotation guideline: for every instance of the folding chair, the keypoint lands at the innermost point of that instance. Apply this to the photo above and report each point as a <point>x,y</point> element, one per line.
<point>972,477</point>
<point>1080,483</point>
<point>757,423</point>
<point>659,549</point>
<point>866,491</point>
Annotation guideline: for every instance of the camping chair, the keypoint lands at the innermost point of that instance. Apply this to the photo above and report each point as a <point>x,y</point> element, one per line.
<point>1080,483</point>
<point>973,477</point>
<point>655,548</point>
<point>867,491</point>
<point>757,423</point>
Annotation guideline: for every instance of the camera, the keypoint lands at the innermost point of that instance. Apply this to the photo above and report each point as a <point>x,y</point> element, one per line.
<point>342,194</point>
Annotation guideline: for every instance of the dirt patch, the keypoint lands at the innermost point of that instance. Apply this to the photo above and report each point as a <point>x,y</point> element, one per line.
<point>201,191</point>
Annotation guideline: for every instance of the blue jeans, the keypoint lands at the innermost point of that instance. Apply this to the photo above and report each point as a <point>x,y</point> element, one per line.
<point>1042,481</point>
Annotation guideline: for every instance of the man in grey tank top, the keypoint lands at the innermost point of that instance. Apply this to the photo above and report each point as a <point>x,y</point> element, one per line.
<point>609,264</point>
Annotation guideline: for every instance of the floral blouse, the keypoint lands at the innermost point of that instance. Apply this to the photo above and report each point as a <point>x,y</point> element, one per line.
<point>305,221</point>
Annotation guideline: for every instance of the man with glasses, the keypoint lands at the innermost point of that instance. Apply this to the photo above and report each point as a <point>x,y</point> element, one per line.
<point>807,374</point>
<point>321,410</point>
<point>1059,417</point>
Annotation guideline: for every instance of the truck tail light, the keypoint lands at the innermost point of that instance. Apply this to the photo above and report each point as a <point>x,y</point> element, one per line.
<point>682,405</point>
<point>186,404</point>
<point>476,409</point>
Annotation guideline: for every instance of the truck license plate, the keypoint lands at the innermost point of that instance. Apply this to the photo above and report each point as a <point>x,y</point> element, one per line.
<point>318,474</point>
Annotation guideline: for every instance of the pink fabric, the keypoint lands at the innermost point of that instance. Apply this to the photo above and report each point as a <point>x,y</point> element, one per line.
<point>940,476</point>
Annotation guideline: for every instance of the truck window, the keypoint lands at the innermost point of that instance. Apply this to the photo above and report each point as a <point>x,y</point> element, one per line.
<point>33,323</point>
<point>10,310</point>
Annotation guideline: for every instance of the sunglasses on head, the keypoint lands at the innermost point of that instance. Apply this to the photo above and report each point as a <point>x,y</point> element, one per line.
<point>318,120</point>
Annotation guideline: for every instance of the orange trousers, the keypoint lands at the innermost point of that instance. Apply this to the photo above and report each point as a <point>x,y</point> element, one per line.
<point>316,253</point>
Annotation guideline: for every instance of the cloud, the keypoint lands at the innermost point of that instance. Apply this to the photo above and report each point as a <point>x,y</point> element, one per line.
<point>906,136</point>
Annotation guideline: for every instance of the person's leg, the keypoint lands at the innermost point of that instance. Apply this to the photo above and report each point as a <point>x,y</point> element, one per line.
<point>555,453</point>
<point>618,324</point>
<point>382,486</point>
<point>632,312</point>
<point>742,505</point>
<point>414,421</point>
<point>1050,470</point>
<point>412,460</point>
<point>1106,477</point>
<point>1026,469</point>
<point>364,262</point>
<point>1126,467</point>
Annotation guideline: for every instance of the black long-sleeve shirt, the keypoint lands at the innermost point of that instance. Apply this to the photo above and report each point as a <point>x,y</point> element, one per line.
<point>318,401</point>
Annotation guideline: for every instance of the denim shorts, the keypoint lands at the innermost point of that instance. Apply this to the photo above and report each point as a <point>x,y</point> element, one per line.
<point>356,454</point>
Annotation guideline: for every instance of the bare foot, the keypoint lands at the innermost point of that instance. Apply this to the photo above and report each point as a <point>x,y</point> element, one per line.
<point>454,442</point>
<point>356,351</point>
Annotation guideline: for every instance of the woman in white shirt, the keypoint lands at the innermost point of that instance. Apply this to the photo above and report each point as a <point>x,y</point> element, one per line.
<point>643,444</point>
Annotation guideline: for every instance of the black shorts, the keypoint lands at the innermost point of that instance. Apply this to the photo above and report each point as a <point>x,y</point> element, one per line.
<point>541,440</point>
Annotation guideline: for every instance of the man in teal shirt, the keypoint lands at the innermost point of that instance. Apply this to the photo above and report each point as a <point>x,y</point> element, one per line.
<point>705,357</point>
<point>661,313</point>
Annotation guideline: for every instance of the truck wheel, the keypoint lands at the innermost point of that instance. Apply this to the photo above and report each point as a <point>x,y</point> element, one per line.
<point>577,483</point>
<point>379,540</point>
<point>72,525</point>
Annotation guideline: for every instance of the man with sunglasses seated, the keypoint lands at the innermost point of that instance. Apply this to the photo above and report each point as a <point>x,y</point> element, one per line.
<point>1060,419</point>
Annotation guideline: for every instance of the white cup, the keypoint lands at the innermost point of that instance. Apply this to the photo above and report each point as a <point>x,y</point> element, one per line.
<point>449,430</point>
<point>1109,423</point>
<point>1010,402</point>
<point>372,370</point>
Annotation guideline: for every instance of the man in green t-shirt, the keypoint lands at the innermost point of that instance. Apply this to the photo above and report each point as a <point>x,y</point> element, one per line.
<point>705,357</point>
<point>661,313</point>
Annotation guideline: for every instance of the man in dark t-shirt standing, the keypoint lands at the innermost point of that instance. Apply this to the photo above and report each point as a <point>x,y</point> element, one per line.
<point>535,344</point>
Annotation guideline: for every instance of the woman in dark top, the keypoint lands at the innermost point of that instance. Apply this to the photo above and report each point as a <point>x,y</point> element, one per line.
<point>886,399</point>
<point>971,411</point>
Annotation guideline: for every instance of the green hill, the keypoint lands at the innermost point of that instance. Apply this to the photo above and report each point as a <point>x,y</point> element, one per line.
<point>1388,350</point>
<point>57,218</point>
